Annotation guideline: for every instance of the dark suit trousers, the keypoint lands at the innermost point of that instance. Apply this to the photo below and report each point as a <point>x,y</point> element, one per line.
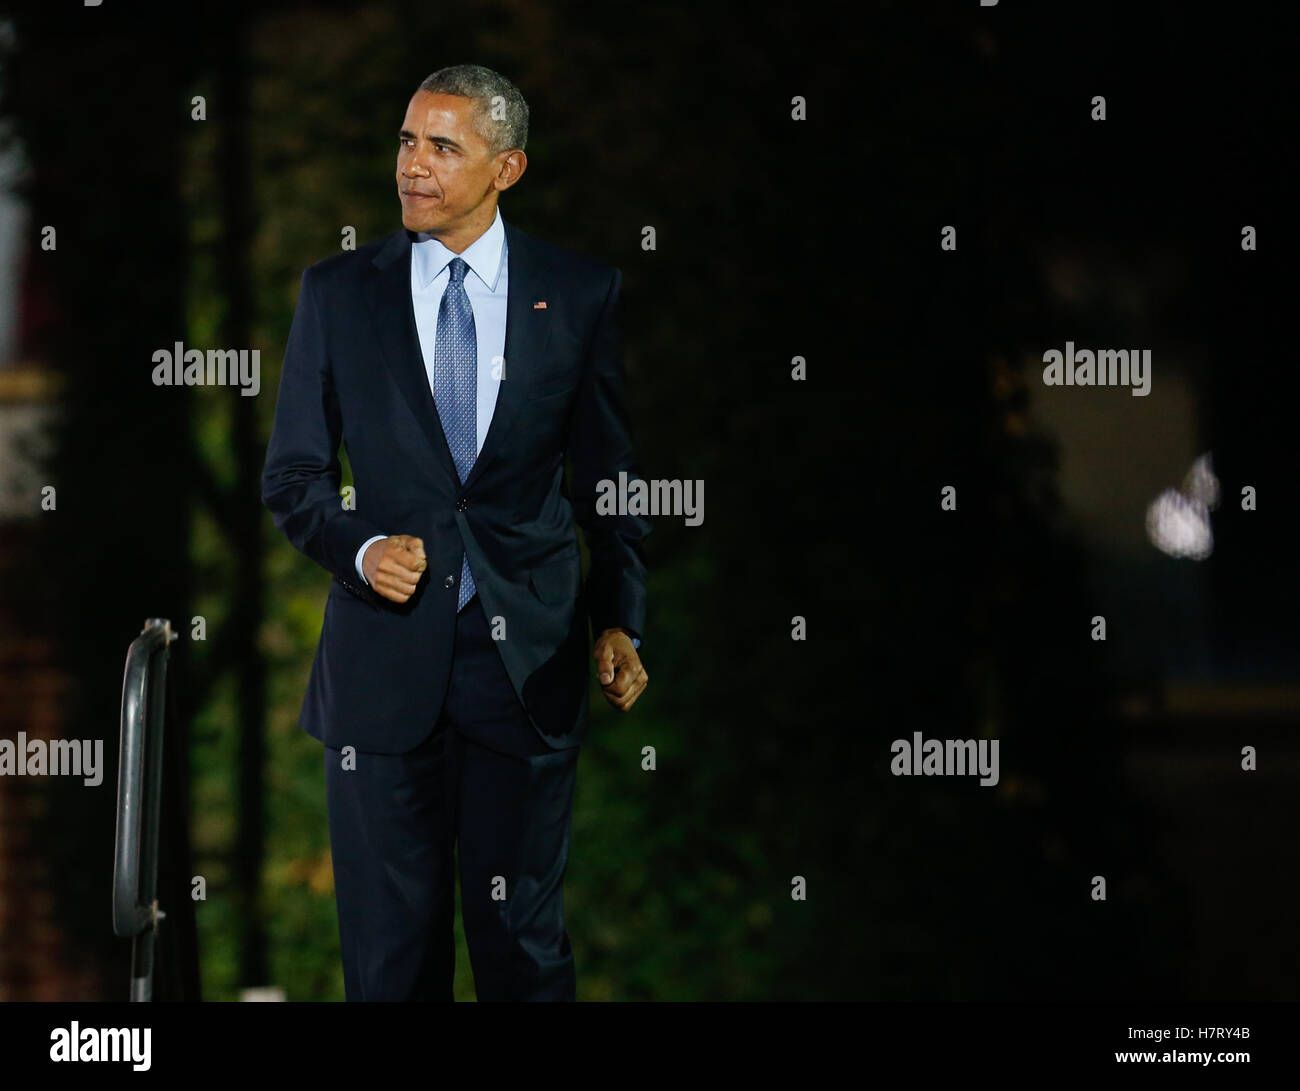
<point>485,785</point>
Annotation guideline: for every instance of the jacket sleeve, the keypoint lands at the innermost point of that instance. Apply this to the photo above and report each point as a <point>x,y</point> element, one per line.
<point>301,476</point>
<point>600,445</point>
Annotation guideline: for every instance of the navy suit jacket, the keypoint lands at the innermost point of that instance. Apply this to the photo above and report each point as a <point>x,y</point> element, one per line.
<point>354,373</point>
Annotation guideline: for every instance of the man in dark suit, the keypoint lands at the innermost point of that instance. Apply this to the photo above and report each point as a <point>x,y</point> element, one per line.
<point>460,360</point>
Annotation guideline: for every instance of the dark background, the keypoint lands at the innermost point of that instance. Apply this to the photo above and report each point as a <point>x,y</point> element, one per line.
<point>775,238</point>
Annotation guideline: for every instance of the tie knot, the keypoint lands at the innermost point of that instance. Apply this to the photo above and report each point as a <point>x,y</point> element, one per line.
<point>459,268</point>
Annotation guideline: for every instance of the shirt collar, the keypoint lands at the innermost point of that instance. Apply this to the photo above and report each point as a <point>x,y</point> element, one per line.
<point>483,255</point>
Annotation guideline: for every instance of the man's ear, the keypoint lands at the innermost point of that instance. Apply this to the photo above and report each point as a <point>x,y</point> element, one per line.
<point>511,170</point>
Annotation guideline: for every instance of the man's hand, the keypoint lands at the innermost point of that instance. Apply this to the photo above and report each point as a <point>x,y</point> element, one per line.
<point>622,678</point>
<point>393,566</point>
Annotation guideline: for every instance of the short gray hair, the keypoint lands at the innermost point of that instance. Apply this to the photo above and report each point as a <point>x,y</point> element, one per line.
<point>504,128</point>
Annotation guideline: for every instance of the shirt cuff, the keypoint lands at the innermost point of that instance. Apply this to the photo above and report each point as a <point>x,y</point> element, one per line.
<point>362,552</point>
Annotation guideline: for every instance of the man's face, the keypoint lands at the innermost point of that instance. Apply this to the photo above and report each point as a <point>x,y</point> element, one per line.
<point>446,177</point>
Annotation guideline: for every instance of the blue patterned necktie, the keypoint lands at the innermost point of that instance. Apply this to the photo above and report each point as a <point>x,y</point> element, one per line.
<point>455,388</point>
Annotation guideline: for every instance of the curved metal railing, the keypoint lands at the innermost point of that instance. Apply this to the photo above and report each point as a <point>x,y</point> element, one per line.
<point>139,797</point>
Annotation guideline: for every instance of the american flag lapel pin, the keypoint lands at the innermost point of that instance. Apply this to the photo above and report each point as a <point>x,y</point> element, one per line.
<point>540,305</point>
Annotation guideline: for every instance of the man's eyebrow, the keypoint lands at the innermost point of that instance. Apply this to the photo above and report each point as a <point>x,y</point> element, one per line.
<point>406,134</point>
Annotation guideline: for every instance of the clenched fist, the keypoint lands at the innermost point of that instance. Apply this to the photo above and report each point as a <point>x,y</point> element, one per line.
<point>622,677</point>
<point>393,566</point>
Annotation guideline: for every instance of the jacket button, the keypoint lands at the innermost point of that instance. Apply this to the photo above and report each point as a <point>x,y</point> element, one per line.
<point>449,581</point>
<point>462,503</point>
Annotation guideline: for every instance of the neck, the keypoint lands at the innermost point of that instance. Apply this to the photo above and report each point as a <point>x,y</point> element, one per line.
<point>460,238</point>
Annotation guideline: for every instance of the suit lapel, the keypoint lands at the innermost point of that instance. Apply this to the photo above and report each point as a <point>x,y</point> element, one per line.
<point>528,332</point>
<point>388,297</point>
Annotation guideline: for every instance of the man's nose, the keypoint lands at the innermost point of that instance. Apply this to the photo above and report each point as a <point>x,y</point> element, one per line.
<point>416,168</point>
